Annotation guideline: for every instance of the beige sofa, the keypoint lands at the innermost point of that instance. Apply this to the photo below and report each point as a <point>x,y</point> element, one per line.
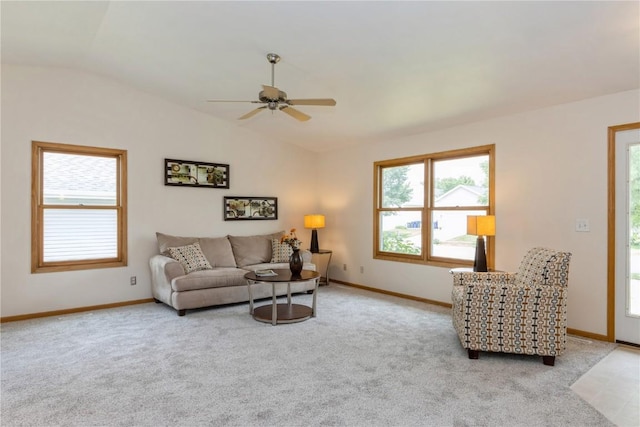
<point>196,272</point>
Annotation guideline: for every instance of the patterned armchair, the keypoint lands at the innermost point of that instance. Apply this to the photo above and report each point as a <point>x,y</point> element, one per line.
<point>522,313</point>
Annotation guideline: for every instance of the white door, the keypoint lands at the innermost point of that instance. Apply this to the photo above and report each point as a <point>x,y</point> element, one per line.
<point>627,235</point>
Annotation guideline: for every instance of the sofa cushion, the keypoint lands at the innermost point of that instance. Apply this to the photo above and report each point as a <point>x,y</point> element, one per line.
<point>249,250</point>
<point>166,241</point>
<point>218,251</point>
<point>191,257</point>
<point>218,278</point>
<point>280,252</point>
<point>279,266</point>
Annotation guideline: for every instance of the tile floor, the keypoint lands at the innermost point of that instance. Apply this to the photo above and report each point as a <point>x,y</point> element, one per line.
<point>613,386</point>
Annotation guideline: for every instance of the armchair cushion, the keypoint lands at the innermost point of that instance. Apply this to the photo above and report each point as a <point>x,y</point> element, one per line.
<point>542,266</point>
<point>463,278</point>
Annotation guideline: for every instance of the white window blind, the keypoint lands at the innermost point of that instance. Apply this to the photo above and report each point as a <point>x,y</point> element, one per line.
<point>79,234</point>
<point>86,182</point>
<point>80,209</point>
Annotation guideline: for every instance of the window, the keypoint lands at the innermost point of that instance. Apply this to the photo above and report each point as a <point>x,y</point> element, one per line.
<point>78,207</point>
<point>421,205</point>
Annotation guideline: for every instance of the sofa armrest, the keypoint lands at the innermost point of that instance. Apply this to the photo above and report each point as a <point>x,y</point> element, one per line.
<point>163,270</point>
<point>306,255</point>
<point>491,277</point>
<point>169,266</point>
<point>502,292</point>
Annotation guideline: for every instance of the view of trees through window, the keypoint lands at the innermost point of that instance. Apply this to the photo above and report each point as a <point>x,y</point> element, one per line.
<point>455,187</point>
<point>401,229</point>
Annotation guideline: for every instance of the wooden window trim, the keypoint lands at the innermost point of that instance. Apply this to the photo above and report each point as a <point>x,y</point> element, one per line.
<point>38,148</point>
<point>428,207</point>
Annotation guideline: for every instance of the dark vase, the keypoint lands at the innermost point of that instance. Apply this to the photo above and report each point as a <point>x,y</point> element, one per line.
<point>295,262</point>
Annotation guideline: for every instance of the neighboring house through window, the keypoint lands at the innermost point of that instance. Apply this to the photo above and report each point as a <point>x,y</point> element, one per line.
<point>441,190</point>
<point>78,207</point>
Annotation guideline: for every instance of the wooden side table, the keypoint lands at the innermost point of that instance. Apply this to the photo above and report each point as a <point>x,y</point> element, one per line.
<point>324,280</point>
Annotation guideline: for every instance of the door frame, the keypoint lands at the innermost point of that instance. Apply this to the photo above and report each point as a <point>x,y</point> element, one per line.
<point>611,227</point>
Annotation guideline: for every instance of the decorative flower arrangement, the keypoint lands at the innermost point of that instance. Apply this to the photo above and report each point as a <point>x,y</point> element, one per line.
<point>291,239</point>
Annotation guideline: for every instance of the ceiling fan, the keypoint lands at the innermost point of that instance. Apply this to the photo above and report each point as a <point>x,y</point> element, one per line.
<point>275,99</point>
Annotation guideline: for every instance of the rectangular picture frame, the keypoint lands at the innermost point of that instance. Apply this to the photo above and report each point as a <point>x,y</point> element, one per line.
<point>189,173</point>
<point>243,208</point>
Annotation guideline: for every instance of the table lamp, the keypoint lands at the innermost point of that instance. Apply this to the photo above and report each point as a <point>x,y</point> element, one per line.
<point>481,226</point>
<point>314,222</point>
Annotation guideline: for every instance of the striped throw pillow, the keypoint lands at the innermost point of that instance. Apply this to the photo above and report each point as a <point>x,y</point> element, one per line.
<point>281,252</point>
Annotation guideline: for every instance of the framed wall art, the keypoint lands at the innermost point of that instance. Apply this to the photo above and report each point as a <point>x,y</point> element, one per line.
<point>250,208</point>
<point>187,173</point>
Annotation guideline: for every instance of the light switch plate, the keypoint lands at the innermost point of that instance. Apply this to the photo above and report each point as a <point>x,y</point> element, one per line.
<point>582,225</point>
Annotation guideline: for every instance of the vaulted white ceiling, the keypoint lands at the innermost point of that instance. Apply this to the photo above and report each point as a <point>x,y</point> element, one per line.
<point>395,68</point>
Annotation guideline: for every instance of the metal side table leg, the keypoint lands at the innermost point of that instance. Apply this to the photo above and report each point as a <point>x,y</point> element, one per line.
<point>249,283</point>
<point>274,309</point>
<point>315,294</point>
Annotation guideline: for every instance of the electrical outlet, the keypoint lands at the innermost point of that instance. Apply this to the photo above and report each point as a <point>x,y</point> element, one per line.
<point>344,267</point>
<point>133,280</point>
<point>361,269</point>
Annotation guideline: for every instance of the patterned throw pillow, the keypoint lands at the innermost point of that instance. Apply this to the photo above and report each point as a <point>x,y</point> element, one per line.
<point>281,251</point>
<point>191,257</point>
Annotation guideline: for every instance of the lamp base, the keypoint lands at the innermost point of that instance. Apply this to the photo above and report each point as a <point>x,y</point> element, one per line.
<point>480,262</point>
<point>314,248</point>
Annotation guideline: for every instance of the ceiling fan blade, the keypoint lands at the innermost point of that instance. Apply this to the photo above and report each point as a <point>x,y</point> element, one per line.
<point>271,92</point>
<point>226,100</point>
<point>274,98</point>
<point>317,101</point>
<point>252,113</point>
<point>296,114</point>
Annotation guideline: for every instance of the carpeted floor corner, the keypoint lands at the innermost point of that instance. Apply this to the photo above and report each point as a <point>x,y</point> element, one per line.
<point>366,360</point>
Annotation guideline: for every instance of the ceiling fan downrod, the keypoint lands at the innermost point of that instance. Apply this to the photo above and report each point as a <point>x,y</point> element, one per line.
<point>273,58</point>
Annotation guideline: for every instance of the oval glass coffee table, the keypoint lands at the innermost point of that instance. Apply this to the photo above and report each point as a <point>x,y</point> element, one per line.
<point>282,313</point>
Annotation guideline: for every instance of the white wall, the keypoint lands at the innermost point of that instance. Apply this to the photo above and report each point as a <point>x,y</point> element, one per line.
<point>59,105</point>
<point>551,168</point>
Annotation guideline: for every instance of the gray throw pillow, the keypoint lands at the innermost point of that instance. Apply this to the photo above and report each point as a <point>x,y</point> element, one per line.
<point>166,241</point>
<point>218,251</point>
<point>250,250</point>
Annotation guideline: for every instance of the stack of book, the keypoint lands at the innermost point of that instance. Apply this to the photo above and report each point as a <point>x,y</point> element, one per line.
<point>264,273</point>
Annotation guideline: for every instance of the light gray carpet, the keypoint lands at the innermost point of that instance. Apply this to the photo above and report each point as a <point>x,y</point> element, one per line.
<point>366,360</point>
